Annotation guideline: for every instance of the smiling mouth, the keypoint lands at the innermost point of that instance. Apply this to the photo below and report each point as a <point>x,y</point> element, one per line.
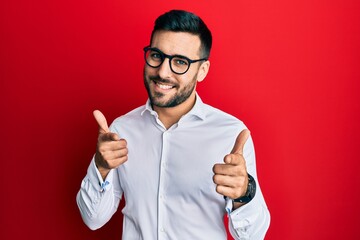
<point>163,85</point>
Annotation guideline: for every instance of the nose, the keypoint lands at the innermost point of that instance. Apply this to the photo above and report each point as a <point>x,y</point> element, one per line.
<point>164,70</point>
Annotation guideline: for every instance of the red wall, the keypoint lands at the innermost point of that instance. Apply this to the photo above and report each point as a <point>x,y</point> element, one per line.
<point>289,69</point>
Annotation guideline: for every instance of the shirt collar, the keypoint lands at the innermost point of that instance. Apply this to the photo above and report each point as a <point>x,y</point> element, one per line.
<point>197,110</point>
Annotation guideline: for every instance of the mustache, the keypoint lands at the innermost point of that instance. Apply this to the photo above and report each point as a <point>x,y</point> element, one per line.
<point>158,79</point>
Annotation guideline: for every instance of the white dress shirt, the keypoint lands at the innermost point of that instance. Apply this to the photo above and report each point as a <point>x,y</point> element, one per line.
<point>167,181</point>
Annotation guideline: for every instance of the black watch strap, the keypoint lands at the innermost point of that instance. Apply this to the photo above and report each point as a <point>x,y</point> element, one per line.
<point>250,192</point>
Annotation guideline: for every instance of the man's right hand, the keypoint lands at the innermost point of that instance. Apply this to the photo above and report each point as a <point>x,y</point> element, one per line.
<point>111,151</point>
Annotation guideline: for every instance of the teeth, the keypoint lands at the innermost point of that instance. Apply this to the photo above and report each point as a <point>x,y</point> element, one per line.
<point>162,86</point>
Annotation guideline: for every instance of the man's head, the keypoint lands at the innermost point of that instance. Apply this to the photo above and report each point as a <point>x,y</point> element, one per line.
<point>176,59</point>
<point>183,21</point>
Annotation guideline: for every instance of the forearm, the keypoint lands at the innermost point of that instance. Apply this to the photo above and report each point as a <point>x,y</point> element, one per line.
<point>250,221</point>
<point>96,203</point>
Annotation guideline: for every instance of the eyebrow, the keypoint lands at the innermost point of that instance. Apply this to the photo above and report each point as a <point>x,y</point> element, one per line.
<point>175,55</point>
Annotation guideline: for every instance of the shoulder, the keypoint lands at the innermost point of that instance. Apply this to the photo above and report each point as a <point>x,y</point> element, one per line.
<point>130,117</point>
<point>213,115</point>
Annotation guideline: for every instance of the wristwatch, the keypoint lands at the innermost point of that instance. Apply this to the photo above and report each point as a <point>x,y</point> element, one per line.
<point>250,192</point>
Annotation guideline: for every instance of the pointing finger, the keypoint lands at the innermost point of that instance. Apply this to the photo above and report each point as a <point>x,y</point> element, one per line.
<point>101,120</point>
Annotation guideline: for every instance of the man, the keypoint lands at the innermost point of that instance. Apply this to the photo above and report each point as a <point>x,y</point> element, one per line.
<point>178,162</point>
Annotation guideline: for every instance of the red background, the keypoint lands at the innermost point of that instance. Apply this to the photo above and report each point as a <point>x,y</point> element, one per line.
<point>288,69</point>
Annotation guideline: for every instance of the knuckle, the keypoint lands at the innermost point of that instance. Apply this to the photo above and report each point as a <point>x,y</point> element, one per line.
<point>218,189</point>
<point>121,153</point>
<point>228,157</point>
<point>215,168</point>
<point>216,178</point>
<point>122,160</point>
<point>111,165</point>
<point>126,151</point>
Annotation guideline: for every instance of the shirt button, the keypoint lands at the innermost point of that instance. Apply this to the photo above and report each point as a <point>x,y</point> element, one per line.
<point>162,230</point>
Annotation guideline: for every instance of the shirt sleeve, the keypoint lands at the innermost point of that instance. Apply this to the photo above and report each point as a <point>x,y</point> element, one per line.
<point>97,199</point>
<point>252,220</point>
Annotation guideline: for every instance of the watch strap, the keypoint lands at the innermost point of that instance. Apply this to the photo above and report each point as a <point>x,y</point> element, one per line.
<point>250,191</point>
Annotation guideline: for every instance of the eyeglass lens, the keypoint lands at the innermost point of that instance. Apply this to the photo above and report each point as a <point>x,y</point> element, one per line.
<point>155,58</point>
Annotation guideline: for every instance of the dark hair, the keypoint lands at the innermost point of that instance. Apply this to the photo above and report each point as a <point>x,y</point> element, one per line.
<point>183,21</point>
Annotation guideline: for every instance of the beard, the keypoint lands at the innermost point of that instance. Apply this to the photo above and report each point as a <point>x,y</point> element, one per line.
<point>179,97</point>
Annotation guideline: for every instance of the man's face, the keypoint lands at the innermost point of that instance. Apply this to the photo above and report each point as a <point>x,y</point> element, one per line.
<point>166,88</point>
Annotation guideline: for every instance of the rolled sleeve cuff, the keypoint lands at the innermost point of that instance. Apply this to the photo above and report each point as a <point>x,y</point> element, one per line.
<point>96,179</point>
<point>249,221</point>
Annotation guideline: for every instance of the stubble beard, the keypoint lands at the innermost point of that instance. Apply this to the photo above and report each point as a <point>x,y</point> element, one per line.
<point>156,97</point>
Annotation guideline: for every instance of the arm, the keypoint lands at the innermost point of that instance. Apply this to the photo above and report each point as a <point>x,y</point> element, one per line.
<point>100,191</point>
<point>250,220</point>
<point>98,200</point>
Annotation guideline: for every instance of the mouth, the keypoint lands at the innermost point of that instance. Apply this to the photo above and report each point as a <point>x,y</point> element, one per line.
<point>163,85</point>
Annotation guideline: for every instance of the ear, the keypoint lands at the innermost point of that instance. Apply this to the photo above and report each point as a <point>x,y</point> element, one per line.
<point>203,70</point>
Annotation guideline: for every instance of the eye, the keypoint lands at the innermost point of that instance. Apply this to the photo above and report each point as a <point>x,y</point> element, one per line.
<point>180,61</point>
<point>155,55</point>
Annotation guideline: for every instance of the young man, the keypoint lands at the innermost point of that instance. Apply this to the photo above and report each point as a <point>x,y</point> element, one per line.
<point>180,164</point>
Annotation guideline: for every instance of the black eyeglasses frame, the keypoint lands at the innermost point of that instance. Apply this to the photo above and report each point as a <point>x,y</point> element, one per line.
<point>170,57</point>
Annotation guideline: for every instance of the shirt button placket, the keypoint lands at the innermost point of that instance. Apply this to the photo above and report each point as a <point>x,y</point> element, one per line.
<point>161,196</point>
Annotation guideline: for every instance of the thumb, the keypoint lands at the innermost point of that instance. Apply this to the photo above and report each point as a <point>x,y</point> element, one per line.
<point>101,120</point>
<point>240,141</point>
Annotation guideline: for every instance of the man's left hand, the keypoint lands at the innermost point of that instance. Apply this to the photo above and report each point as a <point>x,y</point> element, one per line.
<point>231,177</point>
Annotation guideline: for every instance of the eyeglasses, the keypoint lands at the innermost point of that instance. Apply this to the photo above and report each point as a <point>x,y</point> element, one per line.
<point>178,64</point>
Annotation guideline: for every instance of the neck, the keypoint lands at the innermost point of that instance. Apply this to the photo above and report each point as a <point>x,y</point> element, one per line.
<point>171,115</point>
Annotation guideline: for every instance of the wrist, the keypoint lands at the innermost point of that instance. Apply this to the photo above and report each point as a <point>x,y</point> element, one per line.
<point>249,194</point>
<point>103,171</point>
<point>236,205</point>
